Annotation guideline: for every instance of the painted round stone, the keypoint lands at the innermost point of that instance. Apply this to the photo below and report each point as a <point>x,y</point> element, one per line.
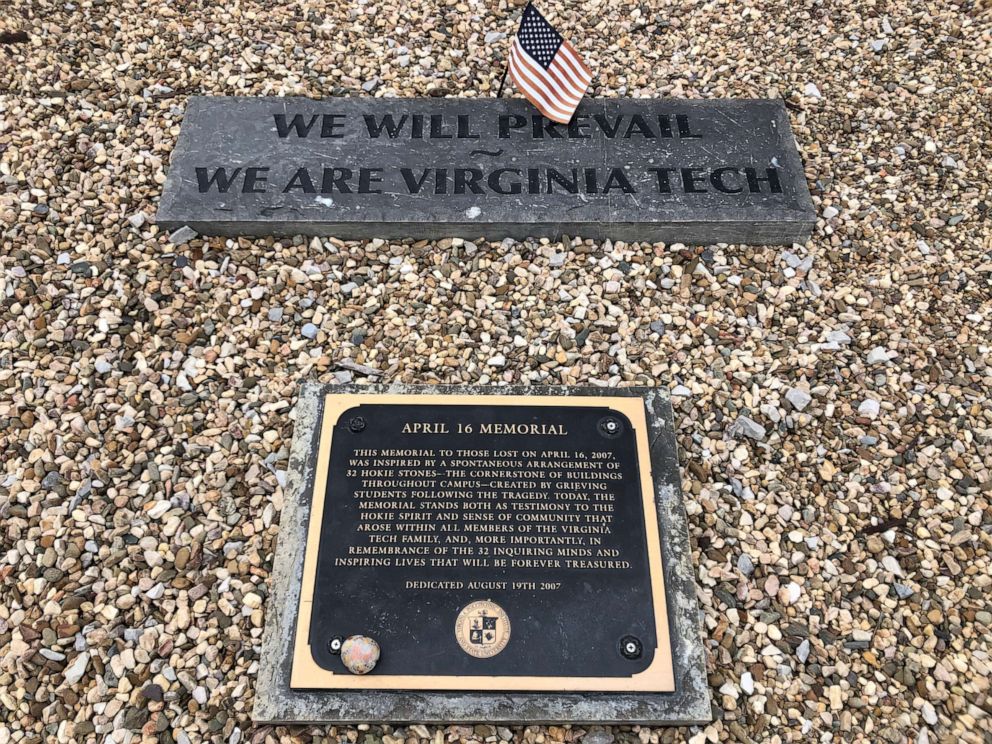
<point>359,654</point>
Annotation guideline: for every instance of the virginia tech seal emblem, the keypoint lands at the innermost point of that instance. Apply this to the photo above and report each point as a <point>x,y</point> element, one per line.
<point>482,629</point>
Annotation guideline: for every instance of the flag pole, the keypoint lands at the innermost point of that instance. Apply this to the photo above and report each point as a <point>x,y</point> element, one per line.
<point>502,80</point>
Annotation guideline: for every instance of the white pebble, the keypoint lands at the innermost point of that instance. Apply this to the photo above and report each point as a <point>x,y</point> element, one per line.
<point>183,235</point>
<point>794,592</point>
<point>747,683</point>
<point>878,355</point>
<point>75,671</point>
<point>160,508</point>
<point>252,600</point>
<point>799,398</point>
<point>870,408</point>
<point>747,427</point>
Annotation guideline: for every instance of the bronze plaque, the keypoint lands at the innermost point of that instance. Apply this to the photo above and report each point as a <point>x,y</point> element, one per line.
<point>485,542</point>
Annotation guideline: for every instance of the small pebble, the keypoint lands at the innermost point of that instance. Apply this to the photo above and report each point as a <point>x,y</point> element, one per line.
<point>182,235</point>
<point>869,407</point>
<point>359,654</point>
<point>74,672</point>
<point>878,355</point>
<point>745,564</point>
<point>798,398</point>
<point>748,427</point>
<point>747,683</point>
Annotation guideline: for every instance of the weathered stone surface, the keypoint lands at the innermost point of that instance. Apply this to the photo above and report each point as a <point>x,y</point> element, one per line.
<point>634,170</point>
<point>276,701</point>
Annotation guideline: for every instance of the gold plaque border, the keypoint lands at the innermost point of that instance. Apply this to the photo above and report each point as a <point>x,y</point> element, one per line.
<point>307,674</point>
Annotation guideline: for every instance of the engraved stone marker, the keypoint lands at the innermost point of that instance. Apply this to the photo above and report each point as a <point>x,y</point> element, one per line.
<point>635,170</point>
<point>483,540</point>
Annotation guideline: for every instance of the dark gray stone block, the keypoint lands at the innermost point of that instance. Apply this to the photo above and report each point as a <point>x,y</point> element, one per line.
<point>634,170</point>
<point>277,702</point>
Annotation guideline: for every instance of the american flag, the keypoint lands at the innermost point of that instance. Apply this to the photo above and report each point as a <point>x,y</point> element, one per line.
<point>546,68</point>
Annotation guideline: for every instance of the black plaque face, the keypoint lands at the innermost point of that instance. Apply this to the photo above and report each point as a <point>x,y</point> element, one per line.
<point>478,540</point>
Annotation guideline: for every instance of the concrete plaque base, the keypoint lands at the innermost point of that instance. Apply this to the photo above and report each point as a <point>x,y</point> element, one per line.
<point>279,696</point>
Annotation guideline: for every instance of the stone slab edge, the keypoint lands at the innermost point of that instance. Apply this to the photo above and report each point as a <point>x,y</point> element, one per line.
<point>275,702</point>
<point>672,231</point>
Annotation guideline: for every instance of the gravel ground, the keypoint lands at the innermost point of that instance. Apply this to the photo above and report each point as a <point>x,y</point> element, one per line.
<point>832,400</point>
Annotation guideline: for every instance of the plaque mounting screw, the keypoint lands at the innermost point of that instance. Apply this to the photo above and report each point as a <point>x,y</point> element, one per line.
<point>357,424</point>
<point>610,427</point>
<point>334,645</point>
<point>631,647</point>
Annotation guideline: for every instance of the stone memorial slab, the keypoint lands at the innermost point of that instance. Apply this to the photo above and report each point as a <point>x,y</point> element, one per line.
<point>635,170</point>
<point>499,554</point>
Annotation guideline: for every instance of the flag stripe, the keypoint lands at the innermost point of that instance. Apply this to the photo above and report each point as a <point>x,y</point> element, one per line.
<point>563,79</point>
<point>563,69</point>
<point>535,97</point>
<point>541,75</point>
<point>576,58</point>
<point>524,76</point>
<point>566,58</point>
<point>561,75</point>
<point>538,104</point>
